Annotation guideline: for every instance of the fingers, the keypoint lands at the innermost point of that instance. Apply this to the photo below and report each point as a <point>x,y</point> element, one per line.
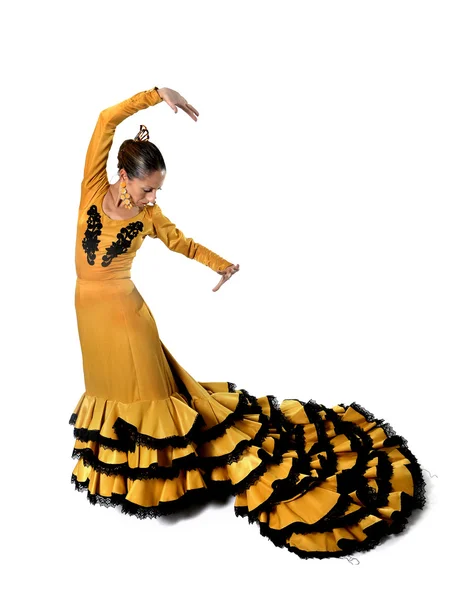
<point>193,109</point>
<point>186,107</point>
<point>219,285</point>
<point>226,275</point>
<point>231,269</point>
<point>188,111</point>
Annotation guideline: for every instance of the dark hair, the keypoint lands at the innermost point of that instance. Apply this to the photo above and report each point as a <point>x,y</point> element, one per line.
<point>139,157</point>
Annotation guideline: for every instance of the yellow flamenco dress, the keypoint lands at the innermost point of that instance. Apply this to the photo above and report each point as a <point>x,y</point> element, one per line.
<point>322,482</point>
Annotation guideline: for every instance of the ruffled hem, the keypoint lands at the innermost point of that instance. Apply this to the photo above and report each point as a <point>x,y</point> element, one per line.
<point>120,426</point>
<point>353,483</point>
<point>174,421</point>
<point>190,498</point>
<point>217,432</point>
<point>153,471</point>
<point>321,482</point>
<point>214,455</point>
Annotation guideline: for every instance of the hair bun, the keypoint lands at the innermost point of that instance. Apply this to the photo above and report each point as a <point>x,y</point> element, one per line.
<point>142,135</point>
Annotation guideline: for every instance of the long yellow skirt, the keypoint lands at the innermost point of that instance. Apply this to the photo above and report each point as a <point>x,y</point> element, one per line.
<point>322,482</point>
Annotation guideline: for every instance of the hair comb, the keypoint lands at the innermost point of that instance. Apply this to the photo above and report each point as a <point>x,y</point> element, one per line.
<point>142,135</point>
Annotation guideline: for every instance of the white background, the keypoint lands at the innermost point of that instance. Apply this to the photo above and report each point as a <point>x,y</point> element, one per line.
<point>321,163</point>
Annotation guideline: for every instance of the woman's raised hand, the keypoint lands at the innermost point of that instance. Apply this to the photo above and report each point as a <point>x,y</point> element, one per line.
<point>174,99</point>
<point>226,274</point>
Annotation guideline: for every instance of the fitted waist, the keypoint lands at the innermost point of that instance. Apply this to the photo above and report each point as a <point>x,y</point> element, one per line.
<point>103,280</point>
<point>92,291</point>
<point>83,281</point>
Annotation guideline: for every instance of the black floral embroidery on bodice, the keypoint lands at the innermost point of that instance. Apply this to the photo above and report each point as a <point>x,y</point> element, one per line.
<point>90,241</point>
<point>126,235</point>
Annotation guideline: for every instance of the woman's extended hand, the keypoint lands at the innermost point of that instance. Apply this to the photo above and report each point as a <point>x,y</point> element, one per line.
<point>226,274</point>
<point>174,99</point>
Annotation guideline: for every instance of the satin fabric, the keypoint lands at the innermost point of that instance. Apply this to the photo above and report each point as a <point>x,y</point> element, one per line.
<point>319,481</point>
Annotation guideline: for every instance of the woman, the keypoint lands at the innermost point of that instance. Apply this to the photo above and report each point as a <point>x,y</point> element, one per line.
<point>319,481</point>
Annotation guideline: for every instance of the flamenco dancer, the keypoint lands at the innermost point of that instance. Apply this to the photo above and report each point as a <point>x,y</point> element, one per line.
<point>321,482</point>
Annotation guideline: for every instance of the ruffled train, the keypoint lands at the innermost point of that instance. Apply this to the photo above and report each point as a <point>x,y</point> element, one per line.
<point>321,482</point>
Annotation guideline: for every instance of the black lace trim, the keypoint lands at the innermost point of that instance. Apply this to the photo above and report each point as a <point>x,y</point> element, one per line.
<point>377,534</point>
<point>329,462</point>
<point>218,430</point>
<point>190,498</point>
<point>284,489</point>
<point>123,243</point>
<point>334,518</point>
<point>281,423</point>
<point>209,462</point>
<point>352,479</point>
<point>231,489</point>
<point>278,421</point>
<point>394,439</point>
<point>384,472</point>
<point>241,511</point>
<point>90,242</point>
<point>267,460</point>
<point>124,429</point>
<point>129,437</point>
<point>288,483</point>
<point>93,435</point>
<point>263,432</point>
<point>303,461</point>
<point>154,471</point>
<point>252,401</point>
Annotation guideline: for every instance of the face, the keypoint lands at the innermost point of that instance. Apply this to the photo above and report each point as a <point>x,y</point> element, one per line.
<point>143,191</point>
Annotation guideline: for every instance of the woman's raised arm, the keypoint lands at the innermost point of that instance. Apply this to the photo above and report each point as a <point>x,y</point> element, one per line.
<point>95,172</point>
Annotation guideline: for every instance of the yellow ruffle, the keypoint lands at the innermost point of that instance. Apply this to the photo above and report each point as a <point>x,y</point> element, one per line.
<point>155,419</point>
<point>147,493</point>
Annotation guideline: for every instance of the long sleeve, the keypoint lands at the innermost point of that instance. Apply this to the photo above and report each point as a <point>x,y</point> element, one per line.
<point>175,240</point>
<point>95,171</point>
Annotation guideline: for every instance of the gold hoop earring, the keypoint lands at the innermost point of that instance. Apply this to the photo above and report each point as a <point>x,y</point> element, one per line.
<point>125,196</point>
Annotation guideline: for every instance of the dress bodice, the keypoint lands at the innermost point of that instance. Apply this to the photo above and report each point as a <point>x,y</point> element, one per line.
<point>106,247</point>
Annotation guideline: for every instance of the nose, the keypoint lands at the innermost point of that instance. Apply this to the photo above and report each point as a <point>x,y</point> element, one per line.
<point>150,198</point>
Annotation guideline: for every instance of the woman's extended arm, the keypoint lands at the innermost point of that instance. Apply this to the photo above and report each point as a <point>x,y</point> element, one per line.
<point>95,173</point>
<point>164,229</point>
